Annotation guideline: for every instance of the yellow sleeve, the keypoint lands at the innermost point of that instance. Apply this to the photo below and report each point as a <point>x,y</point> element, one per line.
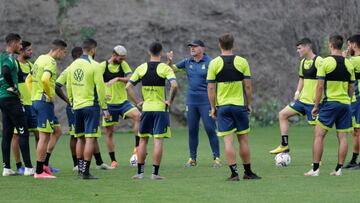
<point>321,70</point>
<point>126,68</point>
<point>211,74</point>
<point>350,69</point>
<point>62,78</point>
<point>28,82</point>
<point>45,81</point>
<point>245,68</point>
<point>167,72</point>
<point>100,86</point>
<point>301,75</point>
<point>136,76</point>
<point>68,87</point>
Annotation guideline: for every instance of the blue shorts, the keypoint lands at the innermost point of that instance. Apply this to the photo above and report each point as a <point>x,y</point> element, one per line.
<point>87,122</point>
<point>303,109</point>
<point>155,124</point>
<point>46,119</point>
<point>71,120</point>
<point>335,112</point>
<point>117,110</point>
<point>30,118</point>
<point>232,119</point>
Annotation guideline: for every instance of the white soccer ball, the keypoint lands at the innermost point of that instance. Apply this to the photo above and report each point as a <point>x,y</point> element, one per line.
<point>133,160</point>
<point>282,159</point>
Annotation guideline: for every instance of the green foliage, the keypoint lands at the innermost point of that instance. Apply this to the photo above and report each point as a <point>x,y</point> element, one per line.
<point>87,32</point>
<point>324,49</point>
<point>64,6</point>
<point>266,112</point>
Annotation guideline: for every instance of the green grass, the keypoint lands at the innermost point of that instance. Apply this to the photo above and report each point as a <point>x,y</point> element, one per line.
<point>199,184</point>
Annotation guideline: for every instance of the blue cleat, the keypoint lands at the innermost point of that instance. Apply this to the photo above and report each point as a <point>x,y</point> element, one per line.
<point>54,170</point>
<point>21,170</point>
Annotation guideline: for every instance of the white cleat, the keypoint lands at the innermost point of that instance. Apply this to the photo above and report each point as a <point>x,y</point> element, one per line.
<point>29,172</point>
<point>76,168</point>
<point>138,176</point>
<point>9,172</point>
<point>336,173</point>
<point>104,166</point>
<point>156,177</point>
<point>312,173</point>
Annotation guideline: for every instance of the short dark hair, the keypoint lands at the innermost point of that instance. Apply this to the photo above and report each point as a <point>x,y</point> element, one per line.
<point>336,41</point>
<point>76,52</point>
<point>155,48</point>
<point>58,44</point>
<point>12,37</point>
<point>226,41</point>
<point>304,41</point>
<point>355,39</point>
<point>88,44</point>
<point>25,44</point>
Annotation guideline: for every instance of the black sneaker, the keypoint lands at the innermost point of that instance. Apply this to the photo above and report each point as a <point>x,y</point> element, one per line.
<point>251,176</point>
<point>233,178</point>
<point>351,166</point>
<point>88,177</point>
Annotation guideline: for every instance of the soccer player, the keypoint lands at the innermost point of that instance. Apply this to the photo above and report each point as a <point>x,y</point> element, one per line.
<point>24,67</point>
<point>197,102</point>
<point>86,91</point>
<point>41,82</point>
<point>229,92</point>
<point>116,73</point>
<point>354,47</point>
<point>155,121</point>
<point>336,82</point>
<point>13,114</point>
<point>305,92</point>
<point>60,82</point>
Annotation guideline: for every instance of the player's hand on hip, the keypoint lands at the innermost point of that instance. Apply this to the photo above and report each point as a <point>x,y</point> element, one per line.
<point>315,111</point>
<point>296,95</point>
<point>106,114</point>
<point>140,104</point>
<point>248,108</point>
<point>14,91</point>
<point>213,113</point>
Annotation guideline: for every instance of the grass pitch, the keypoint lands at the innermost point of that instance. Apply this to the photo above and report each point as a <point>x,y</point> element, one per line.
<point>199,184</point>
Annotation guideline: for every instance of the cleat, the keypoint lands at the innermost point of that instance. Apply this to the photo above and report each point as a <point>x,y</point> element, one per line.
<point>104,166</point>
<point>251,176</point>
<point>336,173</point>
<point>114,164</point>
<point>9,172</point>
<point>156,177</point>
<point>88,177</point>
<point>76,168</point>
<point>43,175</point>
<point>216,163</point>
<point>138,176</point>
<point>29,171</point>
<point>312,173</point>
<point>54,170</point>
<point>21,170</point>
<point>47,170</point>
<point>233,178</point>
<point>190,163</point>
<point>280,149</point>
<point>352,166</point>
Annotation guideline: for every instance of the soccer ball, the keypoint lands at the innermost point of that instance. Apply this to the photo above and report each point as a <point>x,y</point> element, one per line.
<point>133,160</point>
<point>282,159</point>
